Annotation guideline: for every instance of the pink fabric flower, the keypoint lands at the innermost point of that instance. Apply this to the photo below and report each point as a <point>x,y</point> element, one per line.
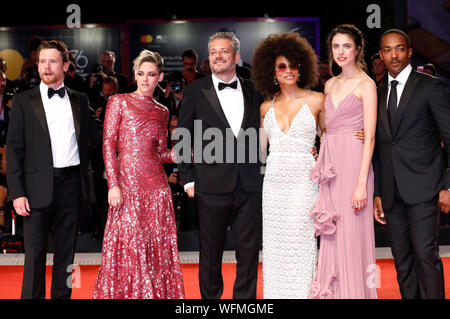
<point>315,290</point>
<point>314,175</point>
<point>322,173</point>
<point>329,172</point>
<point>324,221</point>
<point>328,229</point>
<point>326,294</point>
<point>323,216</point>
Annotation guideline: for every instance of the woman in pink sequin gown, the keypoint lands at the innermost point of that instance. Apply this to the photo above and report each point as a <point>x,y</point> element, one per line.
<point>140,256</point>
<point>343,213</point>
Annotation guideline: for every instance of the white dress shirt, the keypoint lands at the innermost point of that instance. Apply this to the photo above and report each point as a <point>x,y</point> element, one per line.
<point>402,77</point>
<point>61,128</point>
<point>232,103</point>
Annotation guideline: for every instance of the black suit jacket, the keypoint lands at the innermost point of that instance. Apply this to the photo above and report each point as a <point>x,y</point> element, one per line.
<point>29,153</point>
<point>411,156</point>
<point>200,102</point>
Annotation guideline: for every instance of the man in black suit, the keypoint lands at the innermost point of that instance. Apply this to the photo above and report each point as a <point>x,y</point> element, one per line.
<point>227,184</point>
<point>411,179</point>
<point>47,169</point>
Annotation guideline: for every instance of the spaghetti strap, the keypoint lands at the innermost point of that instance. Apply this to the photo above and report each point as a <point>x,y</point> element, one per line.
<point>356,86</point>
<point>307,96</point>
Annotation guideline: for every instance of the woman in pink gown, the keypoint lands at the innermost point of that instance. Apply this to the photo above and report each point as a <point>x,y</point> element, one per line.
<point>343,213</point>
<point>140,256</point>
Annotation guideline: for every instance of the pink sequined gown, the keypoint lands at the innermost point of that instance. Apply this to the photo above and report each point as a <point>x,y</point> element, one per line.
<point>346,267</point>
<point>140,255</point>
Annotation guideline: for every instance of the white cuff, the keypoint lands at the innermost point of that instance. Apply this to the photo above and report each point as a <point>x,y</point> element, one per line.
<point>186,186</point>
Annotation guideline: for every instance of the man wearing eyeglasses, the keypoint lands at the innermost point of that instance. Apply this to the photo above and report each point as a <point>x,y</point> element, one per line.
<point>190,60</point>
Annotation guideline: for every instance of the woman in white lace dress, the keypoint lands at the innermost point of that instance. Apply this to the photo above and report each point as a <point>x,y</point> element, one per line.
<point>283,67</point>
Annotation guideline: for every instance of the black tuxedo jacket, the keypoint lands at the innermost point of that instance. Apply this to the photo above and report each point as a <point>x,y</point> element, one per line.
<point>200,102</point>
<point>410,158</point>
<point>29,153</point>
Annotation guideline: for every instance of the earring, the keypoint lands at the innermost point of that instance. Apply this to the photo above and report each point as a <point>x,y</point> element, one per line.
<point>298,77</point>
<point>275,81</point>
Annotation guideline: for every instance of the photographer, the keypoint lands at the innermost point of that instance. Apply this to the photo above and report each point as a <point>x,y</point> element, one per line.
<point>173,94</point>
<point>110,87</point>
<point>185,208</point>
<point>5,98</point>
<point>11,87</point>
<point>190,60</point>
<point>72,79</point>
<point>104,69</point>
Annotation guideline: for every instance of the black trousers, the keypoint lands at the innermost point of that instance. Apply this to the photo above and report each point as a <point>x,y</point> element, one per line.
<point>242,211</point>
<point>63,214</point>
<point>414,231</point>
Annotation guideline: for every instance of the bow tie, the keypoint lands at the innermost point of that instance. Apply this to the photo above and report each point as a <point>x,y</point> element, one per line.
<point>232,85</point>
<point>61,92</point>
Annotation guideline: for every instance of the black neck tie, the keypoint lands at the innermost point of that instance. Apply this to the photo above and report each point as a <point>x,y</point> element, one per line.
<point>392,106</point>
<point>232,85</point>
<point>61,92</point>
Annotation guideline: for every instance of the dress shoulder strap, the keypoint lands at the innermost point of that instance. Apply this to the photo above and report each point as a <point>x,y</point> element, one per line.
<point>359,82</point>
<point>307,96</point>
<point>273,100</point>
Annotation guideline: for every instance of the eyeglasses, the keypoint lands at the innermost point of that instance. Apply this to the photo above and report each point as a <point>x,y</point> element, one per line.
<point>282,67</point>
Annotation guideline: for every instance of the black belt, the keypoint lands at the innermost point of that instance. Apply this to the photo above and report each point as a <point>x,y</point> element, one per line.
<point>66,170</point>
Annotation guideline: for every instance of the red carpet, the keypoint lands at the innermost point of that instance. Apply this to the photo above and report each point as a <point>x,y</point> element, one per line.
<point>11,280</point>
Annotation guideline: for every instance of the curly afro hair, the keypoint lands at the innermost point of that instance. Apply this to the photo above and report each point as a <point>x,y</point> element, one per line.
<point>295,49</point>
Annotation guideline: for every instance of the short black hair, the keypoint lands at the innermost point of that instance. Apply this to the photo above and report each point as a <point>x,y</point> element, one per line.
<point>397,31</point>
<point>431,67</point>
<point>190,53</point>
<point>175,76</point>
<point>375,56</point>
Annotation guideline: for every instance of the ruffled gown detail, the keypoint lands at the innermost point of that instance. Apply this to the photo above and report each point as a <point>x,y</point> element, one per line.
<point>346,267</point>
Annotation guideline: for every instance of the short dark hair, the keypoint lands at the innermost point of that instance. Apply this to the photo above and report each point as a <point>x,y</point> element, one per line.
<point>431,67</point>
<point>374,57</point>
<point>396,31</point>
<point>34,42</point>
<point>111,80</point>
<point>190,53</point>
<point>296,49</point>
<point>176,76</point>
<point>55,44</point>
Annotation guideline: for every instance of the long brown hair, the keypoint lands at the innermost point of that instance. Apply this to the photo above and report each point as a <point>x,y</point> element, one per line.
<point>357,36</point>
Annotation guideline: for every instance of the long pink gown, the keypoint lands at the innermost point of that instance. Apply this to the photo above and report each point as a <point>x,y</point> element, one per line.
<point>346,267</point>
<point>140,255</point>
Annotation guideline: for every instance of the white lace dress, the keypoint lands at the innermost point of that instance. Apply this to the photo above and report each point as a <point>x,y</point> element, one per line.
<point>289,246</point>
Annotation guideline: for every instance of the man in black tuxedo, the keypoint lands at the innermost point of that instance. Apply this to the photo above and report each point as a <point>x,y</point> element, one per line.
<point>411,179</point>
<point>47,169</point>
<point>228,190</point>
